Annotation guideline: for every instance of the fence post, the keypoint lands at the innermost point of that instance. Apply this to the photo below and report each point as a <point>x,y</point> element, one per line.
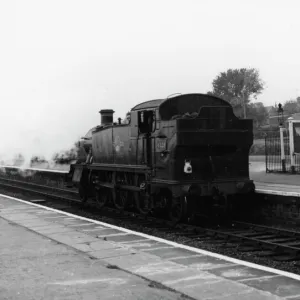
<point>266,153</point>
<point>292,144</point>
<point>282,149</point>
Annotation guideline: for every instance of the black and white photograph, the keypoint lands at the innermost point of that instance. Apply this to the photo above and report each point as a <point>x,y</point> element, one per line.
<point>150,150</point>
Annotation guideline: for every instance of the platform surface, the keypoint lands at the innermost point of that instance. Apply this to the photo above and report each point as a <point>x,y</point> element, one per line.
<point>46,254</point>
<point>33,266</point>
<point>274,183</point>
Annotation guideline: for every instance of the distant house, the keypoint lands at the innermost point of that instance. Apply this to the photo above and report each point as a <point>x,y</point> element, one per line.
<point>272,121</point>
<point>269,108</point>
<point>296,116</point>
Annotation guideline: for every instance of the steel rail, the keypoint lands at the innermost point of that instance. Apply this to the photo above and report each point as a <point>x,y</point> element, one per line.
<point>38,185</point>
<point>271,228</point>
<point>192,233</point>
<point>47,194</point>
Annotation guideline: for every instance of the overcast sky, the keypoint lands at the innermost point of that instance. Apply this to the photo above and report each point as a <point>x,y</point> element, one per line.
<point>62,61</point>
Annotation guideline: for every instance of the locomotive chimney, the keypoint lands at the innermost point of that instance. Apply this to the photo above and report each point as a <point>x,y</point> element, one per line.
<point>106,116</point>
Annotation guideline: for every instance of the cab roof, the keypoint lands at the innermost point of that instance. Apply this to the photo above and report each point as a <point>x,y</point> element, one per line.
<point>181,104</point>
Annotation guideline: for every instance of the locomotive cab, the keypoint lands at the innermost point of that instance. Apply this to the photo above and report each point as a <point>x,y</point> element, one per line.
<point>145,121</point>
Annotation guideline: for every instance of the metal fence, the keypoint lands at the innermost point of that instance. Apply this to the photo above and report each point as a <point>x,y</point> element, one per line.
<point>297,163</point>
<point>275,162</point>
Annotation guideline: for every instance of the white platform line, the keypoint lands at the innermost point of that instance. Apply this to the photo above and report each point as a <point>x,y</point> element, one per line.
<point>277,193</point>
<point>174,244</point>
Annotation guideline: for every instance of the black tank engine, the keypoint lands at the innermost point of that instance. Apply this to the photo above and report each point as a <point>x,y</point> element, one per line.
<point>182,155</point>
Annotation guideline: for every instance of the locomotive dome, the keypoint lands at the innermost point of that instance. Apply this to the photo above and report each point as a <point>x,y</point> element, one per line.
<point>181,104</point>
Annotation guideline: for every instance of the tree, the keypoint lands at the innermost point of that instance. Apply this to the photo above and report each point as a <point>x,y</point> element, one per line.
<point>65,157</point>
<point>292,106</point>
<point>258,113</point>
<point>238,86</point>
<point>37,160</point>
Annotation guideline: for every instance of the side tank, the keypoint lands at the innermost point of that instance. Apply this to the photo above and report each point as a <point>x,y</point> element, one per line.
<point>122,144</point>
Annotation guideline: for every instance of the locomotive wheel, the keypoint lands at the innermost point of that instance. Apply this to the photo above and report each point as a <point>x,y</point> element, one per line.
<point>161,203</point>
<point>103,196</point>
<point>142,200</point>
<point>143,203</point>
<point>120,197</point>
<point>82,193</point>
<point>178,209</point>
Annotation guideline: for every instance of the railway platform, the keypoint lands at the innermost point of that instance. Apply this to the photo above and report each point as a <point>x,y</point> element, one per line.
<point>48,254</point>
<point>36,267</point>
<point>274,183</point>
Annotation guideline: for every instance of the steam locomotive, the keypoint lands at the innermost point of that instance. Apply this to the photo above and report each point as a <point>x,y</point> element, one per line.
<point>180,156</point>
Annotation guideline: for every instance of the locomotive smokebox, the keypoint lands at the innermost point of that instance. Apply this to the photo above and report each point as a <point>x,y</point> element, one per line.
<point>106,116</point>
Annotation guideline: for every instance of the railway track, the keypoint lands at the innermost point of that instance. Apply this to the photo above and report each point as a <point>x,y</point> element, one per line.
<point>41,189</point>
<point>272,243</point>
<point>280,244</point>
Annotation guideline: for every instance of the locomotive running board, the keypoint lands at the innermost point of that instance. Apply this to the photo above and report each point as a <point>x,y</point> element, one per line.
<point>118,186</point>
<point>119,167</point>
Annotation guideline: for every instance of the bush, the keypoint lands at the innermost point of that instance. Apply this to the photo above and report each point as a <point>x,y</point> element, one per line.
<point>258,147</point>
<point>67,156</point>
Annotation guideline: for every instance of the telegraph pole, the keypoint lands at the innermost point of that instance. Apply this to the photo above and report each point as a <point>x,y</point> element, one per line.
<point>244,104</point>
<point>244,94</point>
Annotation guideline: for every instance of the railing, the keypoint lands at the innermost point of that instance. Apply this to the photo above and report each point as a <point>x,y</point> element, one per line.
<point>276,159</point>
<point>297,163</point>
<point>277,153</point>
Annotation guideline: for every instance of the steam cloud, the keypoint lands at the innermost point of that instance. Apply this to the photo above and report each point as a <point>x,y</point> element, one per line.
<point>48,115</point>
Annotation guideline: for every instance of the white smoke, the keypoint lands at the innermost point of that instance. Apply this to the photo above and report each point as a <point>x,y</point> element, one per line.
<point>44,119</point>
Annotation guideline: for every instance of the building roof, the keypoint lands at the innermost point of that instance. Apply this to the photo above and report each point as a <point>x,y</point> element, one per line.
<point>296,116</point>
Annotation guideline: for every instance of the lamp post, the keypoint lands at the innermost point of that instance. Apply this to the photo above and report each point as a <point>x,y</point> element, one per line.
<point>292,143</point>
<point>281,128</point>
<point>280,115</point>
